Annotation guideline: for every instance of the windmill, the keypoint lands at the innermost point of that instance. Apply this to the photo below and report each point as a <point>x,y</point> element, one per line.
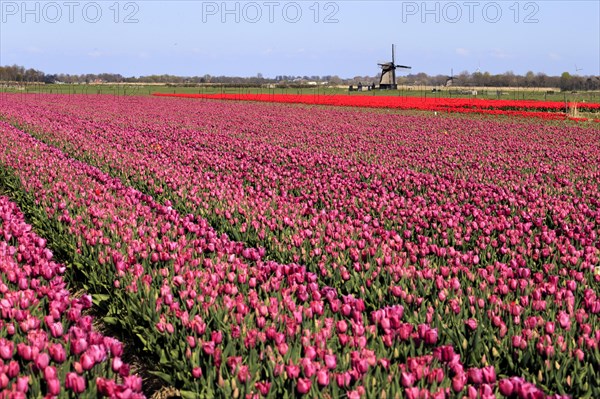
<point>577,69</point>
<point>388,74</point>
<point>450,79</point>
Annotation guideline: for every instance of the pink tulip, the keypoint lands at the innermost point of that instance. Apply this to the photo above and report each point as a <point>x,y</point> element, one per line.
<point>50,373</point>
<point>472,324</point>
<point>303,385</point>
<point>41,361</point>
<point>25,351</point>
<point>472,392</point>
<point>506,387</point>
<point>134,382</point>
<point>106,387</point>
<point>330,362</point>
<point>22,384</point>
<point>87,362</point>
<point>75,383</point>
<point>343,379</point>
<point>282,348</point>
<point>354,394</point>
<point>308,368</point>
<point>431,336</point>
<point>292,371</point>
<point>78,346</point>
<point>53,386</point>
<point>564,320</point>
<point>117,363</point>
<point>13,369</point>
<point>263,387</point>
<point>243,374</point>
<point>323,377</point>
<point>458,382</point>
<point>197,372</point>
<point>489,374</point>
<point>475,376</point>
<point>6,349</point>
<point>407,379</point>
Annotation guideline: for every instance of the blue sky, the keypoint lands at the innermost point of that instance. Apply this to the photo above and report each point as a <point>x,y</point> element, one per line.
<point>280,37</point>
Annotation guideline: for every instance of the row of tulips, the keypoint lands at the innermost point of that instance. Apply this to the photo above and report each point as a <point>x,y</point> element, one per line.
<point>523,108</point>
<point>436,296</point>
<point>48,347</point>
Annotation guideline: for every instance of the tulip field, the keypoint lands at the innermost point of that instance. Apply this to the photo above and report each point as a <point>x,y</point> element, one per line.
<point>247,250</point>
<point>549,110</point>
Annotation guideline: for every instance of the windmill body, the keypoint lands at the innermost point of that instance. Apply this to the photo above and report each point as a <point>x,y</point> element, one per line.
<point>388,77</point>
<point>387,81</point>
<point>450,79</point>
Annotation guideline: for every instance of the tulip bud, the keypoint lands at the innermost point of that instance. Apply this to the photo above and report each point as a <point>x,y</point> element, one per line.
<point>197,372</point>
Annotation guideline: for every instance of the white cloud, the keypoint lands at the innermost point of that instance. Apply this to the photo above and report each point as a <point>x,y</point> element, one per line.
<point>34,50</point>
<point>462,51</point>
<point>95,53</point>
<point>554,56</point>
<point>499,53</point>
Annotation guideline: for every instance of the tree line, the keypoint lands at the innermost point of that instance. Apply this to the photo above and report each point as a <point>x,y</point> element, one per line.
<point>566,81</point>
